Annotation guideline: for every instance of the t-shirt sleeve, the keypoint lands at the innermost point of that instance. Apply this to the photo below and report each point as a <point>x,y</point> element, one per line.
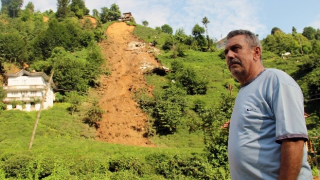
<point>289,112</point>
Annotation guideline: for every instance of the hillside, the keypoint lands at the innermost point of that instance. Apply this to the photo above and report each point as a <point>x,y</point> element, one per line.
<point>186,140</point>
<point>123,122</point>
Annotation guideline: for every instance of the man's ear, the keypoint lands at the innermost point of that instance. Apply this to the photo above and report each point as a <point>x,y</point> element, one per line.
<point>257,53</point>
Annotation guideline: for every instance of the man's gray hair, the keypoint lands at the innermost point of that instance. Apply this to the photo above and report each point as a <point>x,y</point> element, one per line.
<point>251,38</point>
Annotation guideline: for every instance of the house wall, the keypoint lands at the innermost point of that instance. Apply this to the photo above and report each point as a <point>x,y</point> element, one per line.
<point>28,89</point>
<point>25,81</point>
<point>221,44</point>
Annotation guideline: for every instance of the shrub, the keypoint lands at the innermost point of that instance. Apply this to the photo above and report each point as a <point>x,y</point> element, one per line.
<point>94,114</point>
<point>216,137</point>
<point>194,166</point>
<point>131,164</point>
<point>169,109</point>
<point>17,165</point>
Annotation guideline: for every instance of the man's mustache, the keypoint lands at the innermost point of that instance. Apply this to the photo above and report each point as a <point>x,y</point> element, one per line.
<point>234,61</point>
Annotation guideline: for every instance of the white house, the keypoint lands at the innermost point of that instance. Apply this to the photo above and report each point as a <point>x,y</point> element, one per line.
<point>222,43</point>
<point>25,90</point>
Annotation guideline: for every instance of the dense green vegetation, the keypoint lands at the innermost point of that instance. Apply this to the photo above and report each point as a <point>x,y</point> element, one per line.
<point>189,106</point>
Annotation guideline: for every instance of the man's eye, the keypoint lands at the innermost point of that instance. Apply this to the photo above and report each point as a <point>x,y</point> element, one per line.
<point>225,52</point>
<point>235,49</point>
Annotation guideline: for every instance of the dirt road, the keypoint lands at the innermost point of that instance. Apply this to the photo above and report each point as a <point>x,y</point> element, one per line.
<point>123,122</point>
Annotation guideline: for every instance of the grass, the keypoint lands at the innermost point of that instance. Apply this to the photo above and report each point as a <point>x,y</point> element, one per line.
<point>208,66</point>
<point>149,35</point>
<point>62,140</point>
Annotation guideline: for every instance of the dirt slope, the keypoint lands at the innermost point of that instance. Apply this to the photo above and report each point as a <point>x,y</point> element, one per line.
<point>123,122</point>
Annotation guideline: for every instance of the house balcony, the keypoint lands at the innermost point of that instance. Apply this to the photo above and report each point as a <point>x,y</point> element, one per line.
<point>23,99</point>
<point>24,88</point>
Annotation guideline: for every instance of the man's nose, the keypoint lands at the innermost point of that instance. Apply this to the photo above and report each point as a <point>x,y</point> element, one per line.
<point>230,55</point>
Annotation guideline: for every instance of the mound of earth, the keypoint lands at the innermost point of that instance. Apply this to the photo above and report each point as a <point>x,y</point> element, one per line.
<point>127,58</point>
<point>92,19</point>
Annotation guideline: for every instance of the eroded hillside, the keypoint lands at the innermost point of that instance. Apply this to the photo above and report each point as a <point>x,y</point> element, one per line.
<point>123,122</point>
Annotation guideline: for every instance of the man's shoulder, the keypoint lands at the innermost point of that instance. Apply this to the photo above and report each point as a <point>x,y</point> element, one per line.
<point>280,77</point>
<point>276,72</point>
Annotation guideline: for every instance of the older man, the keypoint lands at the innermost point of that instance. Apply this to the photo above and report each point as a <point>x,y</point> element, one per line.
<point>267,128</point>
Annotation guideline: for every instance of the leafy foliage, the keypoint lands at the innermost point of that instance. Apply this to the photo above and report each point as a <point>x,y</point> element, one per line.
<point>309,32</point>
<point>111,14</point>
<point>145,23</point>
<point>75,101</point>
<point>63,9</point>
<point>11,7</point>
<point>79,8</point>
<point>94,114</point>
<point>200,40</point>
<point>169,109</point>
<point>274,30</point>
<point>188,79</point>
<point>166,29</point>
<point>12,47</point>
<point>216,136</point>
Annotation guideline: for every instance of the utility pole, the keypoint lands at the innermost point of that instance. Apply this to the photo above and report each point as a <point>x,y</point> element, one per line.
<point>230,89</point>
<point>39,112</point>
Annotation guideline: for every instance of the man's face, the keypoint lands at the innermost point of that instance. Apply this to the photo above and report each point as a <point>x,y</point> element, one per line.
<point>239,56</point>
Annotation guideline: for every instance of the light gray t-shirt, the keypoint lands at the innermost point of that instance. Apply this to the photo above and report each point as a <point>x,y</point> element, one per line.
<point>267,110</point>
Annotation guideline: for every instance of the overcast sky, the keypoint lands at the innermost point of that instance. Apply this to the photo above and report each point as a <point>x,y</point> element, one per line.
<point>259,16</point>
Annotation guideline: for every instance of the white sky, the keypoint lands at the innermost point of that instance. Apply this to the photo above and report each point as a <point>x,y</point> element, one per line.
<point>259,16</point>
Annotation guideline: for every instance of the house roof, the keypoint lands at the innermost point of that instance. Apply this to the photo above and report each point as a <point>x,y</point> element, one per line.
<point>32,74</point>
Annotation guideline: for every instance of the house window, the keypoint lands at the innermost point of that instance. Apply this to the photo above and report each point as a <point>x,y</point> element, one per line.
<point>33,93</point>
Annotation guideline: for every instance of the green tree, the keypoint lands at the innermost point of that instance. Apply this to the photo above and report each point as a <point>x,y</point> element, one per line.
<point>69,72</point>
<point>114,12</point>
<point>316,47</point>
<point>104,15</point>
<point>216,136</point>
<point>274,30</point>
<point>280,42</point>
<point>317,34</point>
<point>56,35</point>
<point>75,100</point>
<point>166,29</point>
<point>197,32</point>
<point>309,32</point>
<point>180,35</point>
<point>12,47</point>
<point>169,109</point>
<point>158,29</point>
<point>145,23</point>
<point>62,9</point>
<point>94,113</point>
<point>205,22</point>
<point>302,43</point>
<point>30,7</point>
<point>11,7</point>
<point>294,30</point>
<point>188,79</point>
<point>79,8</point>
<point>27,13</point>
<point>95,13</point>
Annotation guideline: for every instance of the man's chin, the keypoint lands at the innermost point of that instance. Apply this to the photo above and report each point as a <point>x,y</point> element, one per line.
<point>236,72</point>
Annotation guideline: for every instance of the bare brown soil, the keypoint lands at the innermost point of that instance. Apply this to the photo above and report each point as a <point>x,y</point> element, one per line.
<point>45,19</point>
<point>93,20</point>
<point>123,122</point>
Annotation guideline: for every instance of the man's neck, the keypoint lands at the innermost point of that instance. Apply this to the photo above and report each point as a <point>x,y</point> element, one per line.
<point>252,76</point>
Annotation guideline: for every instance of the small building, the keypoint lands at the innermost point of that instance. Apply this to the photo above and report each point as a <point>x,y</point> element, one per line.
<point>222,43</point>
<point>126,17</point>
<point>25,90</point>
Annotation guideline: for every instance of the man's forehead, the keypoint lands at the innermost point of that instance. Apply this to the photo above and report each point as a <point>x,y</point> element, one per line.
<point>238,39</point>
